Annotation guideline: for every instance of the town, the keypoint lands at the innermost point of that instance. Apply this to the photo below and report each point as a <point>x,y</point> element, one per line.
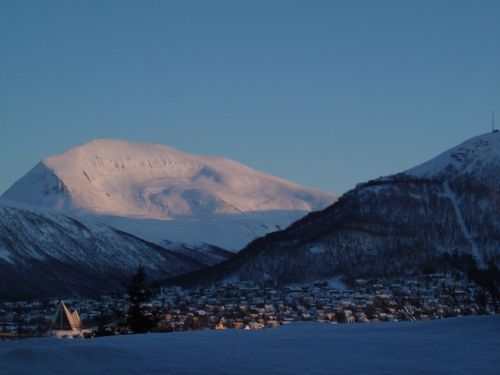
<point>248,306</point>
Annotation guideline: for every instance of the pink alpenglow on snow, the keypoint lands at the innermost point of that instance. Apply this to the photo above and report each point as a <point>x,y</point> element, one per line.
<point>161,194</point>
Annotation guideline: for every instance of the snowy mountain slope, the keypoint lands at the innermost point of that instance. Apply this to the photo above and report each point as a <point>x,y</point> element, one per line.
<point>478,157</point>
<point>187,198</point>
<point>429,218</point>
<point>44,254</point>
<point>231,232</point>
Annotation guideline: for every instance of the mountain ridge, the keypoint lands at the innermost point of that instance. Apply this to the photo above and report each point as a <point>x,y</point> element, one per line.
<point>394,225</point>
<point>113,180</point>
<point>45,254</point>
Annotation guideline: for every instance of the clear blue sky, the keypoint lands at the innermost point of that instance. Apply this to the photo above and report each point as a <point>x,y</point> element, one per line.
<point>323,93</point>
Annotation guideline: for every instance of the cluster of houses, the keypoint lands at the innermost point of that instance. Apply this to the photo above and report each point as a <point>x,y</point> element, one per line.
<point>248,306</point>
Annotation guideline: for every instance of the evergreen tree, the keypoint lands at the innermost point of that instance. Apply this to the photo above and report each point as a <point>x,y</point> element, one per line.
<point>139,293</point>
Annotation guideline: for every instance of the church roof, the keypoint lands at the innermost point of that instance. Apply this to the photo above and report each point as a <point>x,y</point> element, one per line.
<point>64,320</point>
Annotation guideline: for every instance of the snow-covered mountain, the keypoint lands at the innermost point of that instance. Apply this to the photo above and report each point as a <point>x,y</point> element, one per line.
<point>46,254</point>
<point>477,158</point>
<point>442,215</point>
<point>164,195</point>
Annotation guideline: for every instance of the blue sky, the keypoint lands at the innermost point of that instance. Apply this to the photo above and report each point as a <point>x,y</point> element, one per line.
<point>323,93</point>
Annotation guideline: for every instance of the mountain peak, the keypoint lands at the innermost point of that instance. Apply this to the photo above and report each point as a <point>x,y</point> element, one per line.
<point>108,177</point>
<point>476,156</point>
<point>441,217</point>
<point>154,181</point>
<point>121,146</point>
<point>107,154</point>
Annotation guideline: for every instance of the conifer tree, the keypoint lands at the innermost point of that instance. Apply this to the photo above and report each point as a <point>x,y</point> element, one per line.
<point>139,294</point>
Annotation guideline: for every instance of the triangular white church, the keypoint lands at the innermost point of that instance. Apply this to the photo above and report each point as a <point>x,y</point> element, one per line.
<point>65,323</point>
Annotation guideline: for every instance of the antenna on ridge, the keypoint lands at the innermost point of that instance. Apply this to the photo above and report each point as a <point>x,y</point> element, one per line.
<point>493,121</point>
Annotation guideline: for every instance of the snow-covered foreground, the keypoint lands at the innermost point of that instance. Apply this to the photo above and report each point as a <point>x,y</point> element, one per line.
<point>469,345</point>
